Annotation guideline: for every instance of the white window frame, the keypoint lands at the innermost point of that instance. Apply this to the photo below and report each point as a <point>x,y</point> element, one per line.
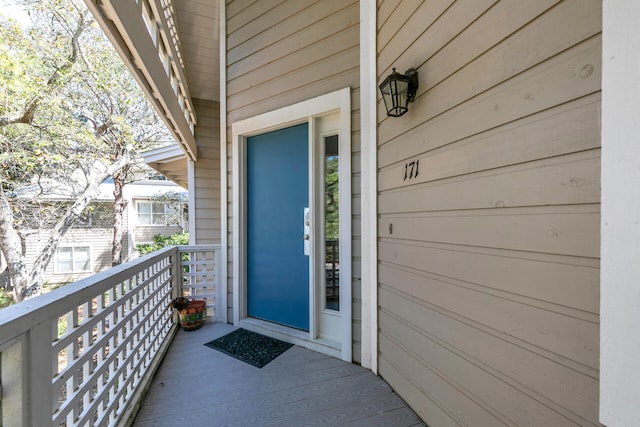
<point>73,250</point>
<point>151,202</point>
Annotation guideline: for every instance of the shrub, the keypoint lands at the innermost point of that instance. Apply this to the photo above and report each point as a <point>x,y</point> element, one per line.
<point>160,241</point>
<point>6,299</point>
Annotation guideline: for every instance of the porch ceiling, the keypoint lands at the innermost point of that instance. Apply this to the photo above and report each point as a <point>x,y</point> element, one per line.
<point>198,29</point>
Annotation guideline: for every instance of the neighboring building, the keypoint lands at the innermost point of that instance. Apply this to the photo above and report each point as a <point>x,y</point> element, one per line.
<point>470,229</point>
<point>86,248</point>
<point>154,207</point>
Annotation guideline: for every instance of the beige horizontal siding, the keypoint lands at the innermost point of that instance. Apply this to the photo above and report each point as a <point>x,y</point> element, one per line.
<point>145,233</point>
<point>280,52</point>
<point>489,257</point>
<point>99,241</point>
<point>207,173</point>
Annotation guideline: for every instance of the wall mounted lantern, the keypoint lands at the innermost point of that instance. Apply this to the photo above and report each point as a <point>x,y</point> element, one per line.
<point>398,90</point>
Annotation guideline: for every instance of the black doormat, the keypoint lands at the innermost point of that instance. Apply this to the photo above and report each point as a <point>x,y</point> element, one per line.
<point>250,347</point>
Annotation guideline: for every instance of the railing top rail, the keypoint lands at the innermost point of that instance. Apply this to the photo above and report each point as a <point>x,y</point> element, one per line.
<point>19,318</point>
<point>202,248</point>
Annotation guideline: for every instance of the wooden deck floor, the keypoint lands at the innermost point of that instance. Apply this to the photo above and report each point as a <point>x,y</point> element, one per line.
<point>199,386</point>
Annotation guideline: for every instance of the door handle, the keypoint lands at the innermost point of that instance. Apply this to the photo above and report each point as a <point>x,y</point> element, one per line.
<point>306,237</point>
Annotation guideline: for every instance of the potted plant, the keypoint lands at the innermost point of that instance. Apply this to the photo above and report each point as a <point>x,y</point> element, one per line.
<point>190,312</point>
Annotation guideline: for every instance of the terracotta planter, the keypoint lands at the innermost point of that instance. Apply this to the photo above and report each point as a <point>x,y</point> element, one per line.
<point>192,317</point>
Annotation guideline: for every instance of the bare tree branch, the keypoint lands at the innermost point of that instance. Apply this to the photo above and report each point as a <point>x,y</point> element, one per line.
<point>72,214</point>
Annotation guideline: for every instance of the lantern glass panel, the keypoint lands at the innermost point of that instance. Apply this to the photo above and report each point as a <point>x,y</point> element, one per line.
<point>394,93</point>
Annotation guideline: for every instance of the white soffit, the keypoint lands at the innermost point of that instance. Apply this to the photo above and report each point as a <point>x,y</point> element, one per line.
<point>171,162</point>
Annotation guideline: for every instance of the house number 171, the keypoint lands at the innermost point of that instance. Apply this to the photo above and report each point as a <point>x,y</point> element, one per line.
<point>411,170</point>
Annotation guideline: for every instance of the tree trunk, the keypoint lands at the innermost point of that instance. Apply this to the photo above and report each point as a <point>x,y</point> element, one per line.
<point>82,201</point>
<point>11,245</point>
<point>118,212</point>
<point>27,283</point>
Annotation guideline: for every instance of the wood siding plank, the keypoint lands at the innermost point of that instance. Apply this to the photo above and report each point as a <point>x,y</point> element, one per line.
<point>570,231</point>
<point>565,282</point>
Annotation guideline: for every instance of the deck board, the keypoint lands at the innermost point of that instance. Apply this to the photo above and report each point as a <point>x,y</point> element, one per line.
<point>199,386</point>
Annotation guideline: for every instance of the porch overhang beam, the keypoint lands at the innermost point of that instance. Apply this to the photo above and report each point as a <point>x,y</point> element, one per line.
<point>153,58</point>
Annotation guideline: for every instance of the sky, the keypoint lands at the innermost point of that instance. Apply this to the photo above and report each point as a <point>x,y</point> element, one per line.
<point>9,9</point>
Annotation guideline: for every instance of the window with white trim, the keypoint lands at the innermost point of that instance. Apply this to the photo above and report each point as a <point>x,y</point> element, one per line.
<point>158,213</point>
<point>73,259</point>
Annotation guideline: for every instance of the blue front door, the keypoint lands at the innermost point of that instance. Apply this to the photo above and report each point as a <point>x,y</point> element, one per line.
<point>277,194</point>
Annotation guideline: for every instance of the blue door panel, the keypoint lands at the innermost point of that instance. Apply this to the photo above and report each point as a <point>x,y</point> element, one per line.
<point>277,193</point>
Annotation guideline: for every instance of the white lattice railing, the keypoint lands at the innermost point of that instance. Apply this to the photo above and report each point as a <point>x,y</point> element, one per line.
<point>83,354</point>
